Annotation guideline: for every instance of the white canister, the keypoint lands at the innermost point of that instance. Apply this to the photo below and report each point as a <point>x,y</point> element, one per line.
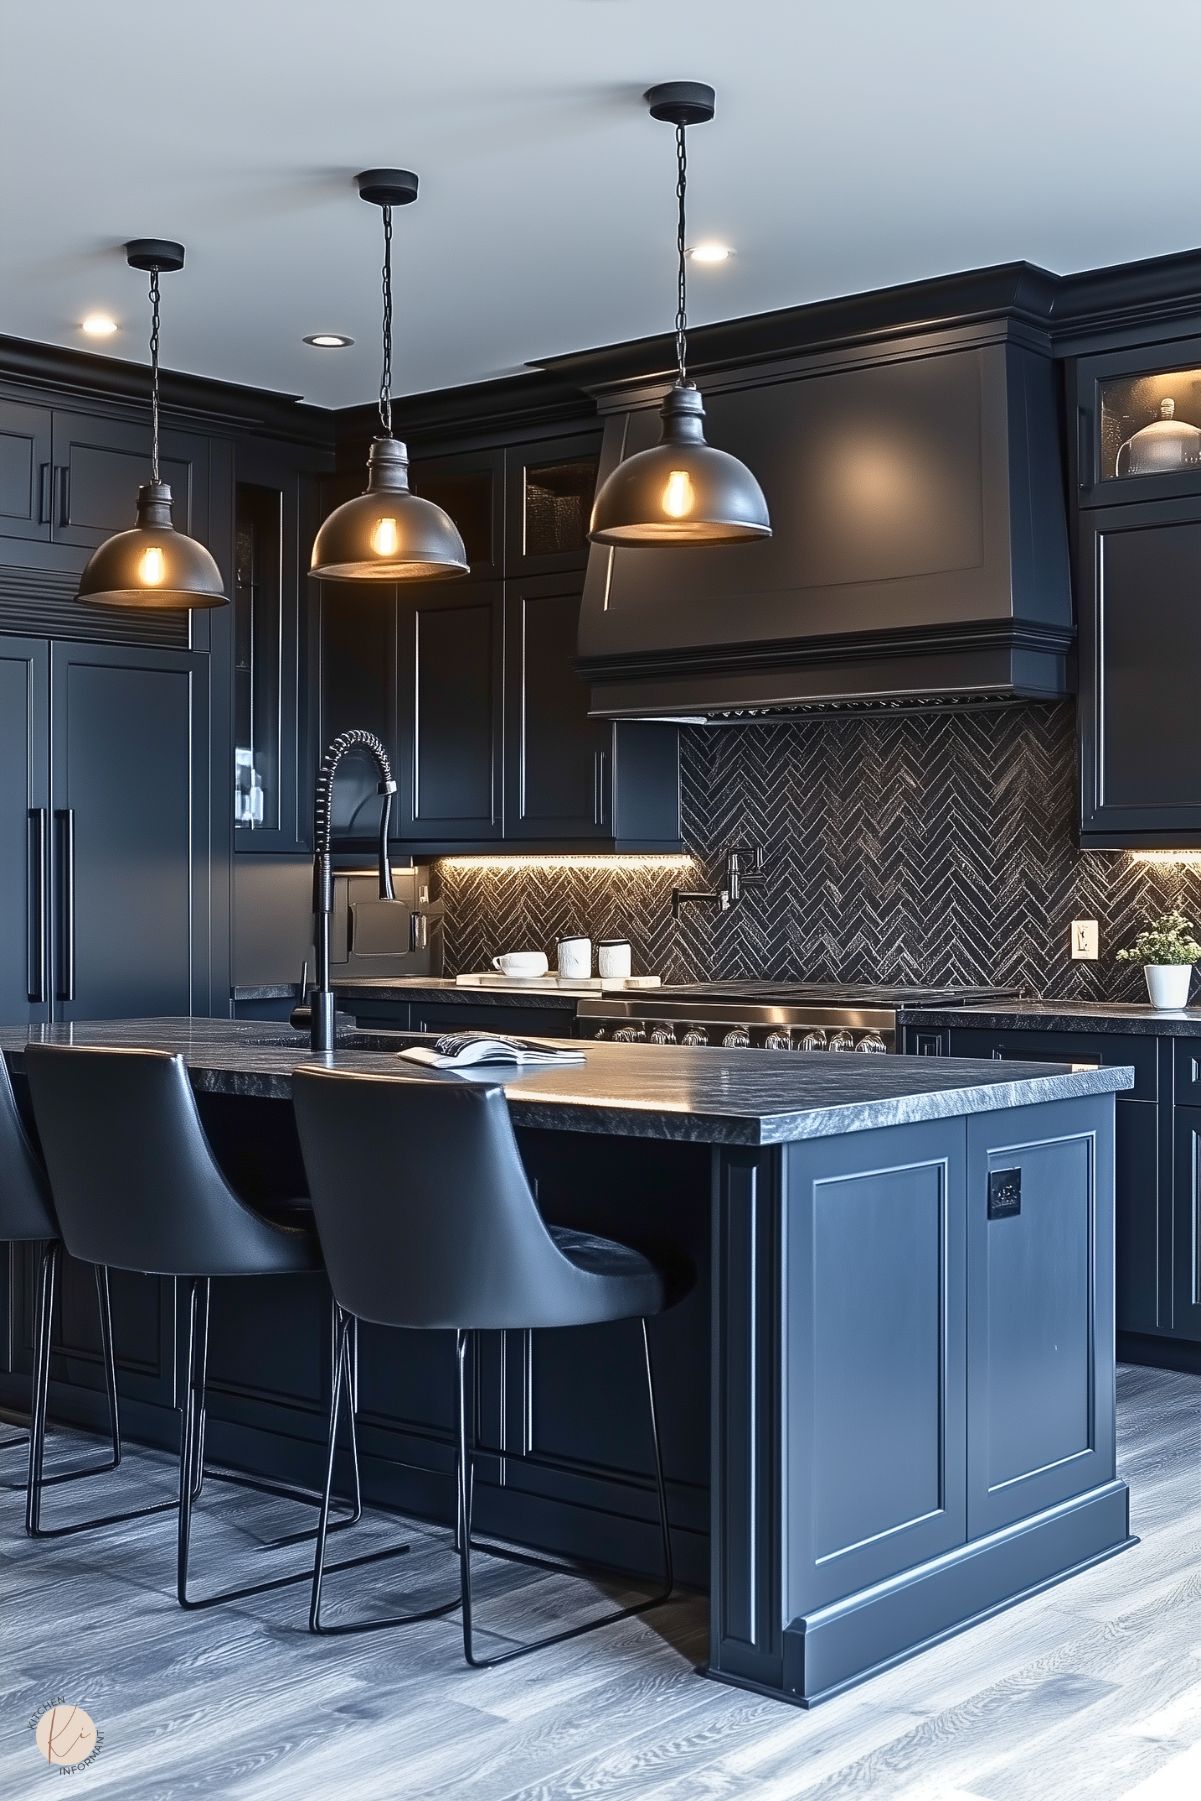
<point>1168,984</point>
<point>575,958</point>
<point>614,959</point>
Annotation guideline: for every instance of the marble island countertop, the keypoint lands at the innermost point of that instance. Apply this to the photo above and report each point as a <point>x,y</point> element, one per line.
<point>644,1091</point>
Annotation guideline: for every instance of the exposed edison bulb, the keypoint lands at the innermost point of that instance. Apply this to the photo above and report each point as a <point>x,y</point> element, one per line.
<point>152,567</point>
<point>678,498</point>
<point>385,539</point>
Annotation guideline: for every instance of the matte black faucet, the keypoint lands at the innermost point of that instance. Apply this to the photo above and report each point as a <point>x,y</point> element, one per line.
<point>321,997</point>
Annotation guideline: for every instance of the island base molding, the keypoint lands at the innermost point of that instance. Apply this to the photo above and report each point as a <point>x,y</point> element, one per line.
<point>840,1646</point>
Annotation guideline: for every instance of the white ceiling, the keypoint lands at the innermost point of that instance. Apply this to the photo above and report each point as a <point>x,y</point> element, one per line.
<point>855,145</point>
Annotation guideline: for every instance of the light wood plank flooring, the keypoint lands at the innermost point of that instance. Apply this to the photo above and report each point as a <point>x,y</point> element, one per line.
<point>1091,1692</point>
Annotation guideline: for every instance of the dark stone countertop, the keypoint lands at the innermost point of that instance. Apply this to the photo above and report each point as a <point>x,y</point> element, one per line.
<point>635,1090</point>
<point>445,988</point>
<point>1064,1016</point>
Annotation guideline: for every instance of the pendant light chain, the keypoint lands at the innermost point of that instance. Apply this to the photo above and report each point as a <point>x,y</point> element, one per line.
<point>154,337</point>
<point>682,253</point>
<point>385,386</point>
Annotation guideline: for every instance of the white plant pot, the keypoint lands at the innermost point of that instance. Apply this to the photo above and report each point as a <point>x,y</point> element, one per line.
<point>1168,983</point>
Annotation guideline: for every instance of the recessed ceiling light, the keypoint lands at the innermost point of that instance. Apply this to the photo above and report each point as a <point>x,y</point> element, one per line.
<point>99,325</point>
<point>329,340</point>
<point>710,253</point>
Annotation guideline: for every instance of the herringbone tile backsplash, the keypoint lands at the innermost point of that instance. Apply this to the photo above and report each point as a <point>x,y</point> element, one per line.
<point>914,848</point>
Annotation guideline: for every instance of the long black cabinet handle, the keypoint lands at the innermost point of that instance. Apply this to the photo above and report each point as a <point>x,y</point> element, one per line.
<point>598,787</point>
<point>62,477</point>
<point>36,988</point>
<point>44,494</point>
<point>65,820</point>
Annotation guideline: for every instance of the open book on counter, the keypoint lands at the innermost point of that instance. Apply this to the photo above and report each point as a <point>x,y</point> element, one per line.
<point>467,1050</point>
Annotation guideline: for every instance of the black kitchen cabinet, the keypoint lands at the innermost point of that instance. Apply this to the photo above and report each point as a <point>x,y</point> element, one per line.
<point>24,825</point>
<point>450,650</point>
<point>129,796</point>
<point>72,477</point>
<point>469,485</point>
<point>558,764</point>
<point>356,686</point>
<point>104,828</point>
<point>273,528</point>
<point>1118,394</point>
<point>567,776</point>
<point>1186,1224</point>
<point>1139,588</point>
<point>25,470</point>
<point>1143,1218</point>
<point>99,465</point>
<point>549,489</point>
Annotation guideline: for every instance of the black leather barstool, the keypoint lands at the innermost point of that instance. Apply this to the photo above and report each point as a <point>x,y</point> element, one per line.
<point>26,1217</point>
<point>427,1220</point>
<point>136,1186</point>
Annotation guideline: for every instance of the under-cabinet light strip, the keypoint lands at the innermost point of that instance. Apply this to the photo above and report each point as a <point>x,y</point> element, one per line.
<point>634,864</point>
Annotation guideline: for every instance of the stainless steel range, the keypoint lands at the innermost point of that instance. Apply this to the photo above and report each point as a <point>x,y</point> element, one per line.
<point>772,1016</point>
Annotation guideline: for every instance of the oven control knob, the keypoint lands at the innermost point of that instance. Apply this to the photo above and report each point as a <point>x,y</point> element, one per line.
<point>777,1041</point>
<point>663,1034</point>
<point>629,1035</point>
<point>842,1040</point>
<point>738,1039</point>
<point>814,1040</point>
<point>871,1041</point>
<point>694,1036</point>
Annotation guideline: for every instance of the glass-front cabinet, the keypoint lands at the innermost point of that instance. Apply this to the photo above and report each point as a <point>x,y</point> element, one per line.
<point>258,603</point>
<point>273,508</point>
<point>1139,423</point>
<point>549,487</point>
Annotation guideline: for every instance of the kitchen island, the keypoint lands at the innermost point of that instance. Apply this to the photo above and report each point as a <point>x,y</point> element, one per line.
<point>888,1402</point>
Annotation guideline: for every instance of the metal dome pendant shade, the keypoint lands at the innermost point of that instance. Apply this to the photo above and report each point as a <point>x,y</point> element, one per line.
<point>153,565</point>
<point>388,533</point>
<point>683,491</point>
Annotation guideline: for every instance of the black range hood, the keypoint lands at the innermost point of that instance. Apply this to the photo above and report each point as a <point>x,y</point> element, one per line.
<point>909,446</point>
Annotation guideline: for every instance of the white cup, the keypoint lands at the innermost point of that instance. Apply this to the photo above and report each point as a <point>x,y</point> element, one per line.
<point>614,959</point>
<point>575,958</point>
<point>521,963</point>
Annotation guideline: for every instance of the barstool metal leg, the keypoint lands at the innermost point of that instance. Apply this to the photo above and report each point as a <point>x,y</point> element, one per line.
<point>23,1439</point>
<point>464,1509</point>
<point>345,1373</point>
<point>190,1470</point>
<point>49,1271</point>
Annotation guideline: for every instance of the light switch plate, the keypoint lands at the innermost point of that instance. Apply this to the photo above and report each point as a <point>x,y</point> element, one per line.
<point>1085,938</point>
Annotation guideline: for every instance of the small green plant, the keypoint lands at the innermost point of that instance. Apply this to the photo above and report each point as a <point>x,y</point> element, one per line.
<point>1166,940</point>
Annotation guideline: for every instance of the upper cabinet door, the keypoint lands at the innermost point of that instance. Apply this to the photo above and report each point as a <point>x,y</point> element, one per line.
<point>450,655</point>
<point>470,487</point>
<point>24,470</point>
<point>356,689</point>
<point>557,782</point>
<point>1139,585</point>
<point>99,465</point>
<point>1138,424</point>
<point>549,489</point>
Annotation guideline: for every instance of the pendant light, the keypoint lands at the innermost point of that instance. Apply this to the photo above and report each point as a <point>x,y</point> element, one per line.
<point>683,491</point>
<point>153,565</point>
<point>387,533</point>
